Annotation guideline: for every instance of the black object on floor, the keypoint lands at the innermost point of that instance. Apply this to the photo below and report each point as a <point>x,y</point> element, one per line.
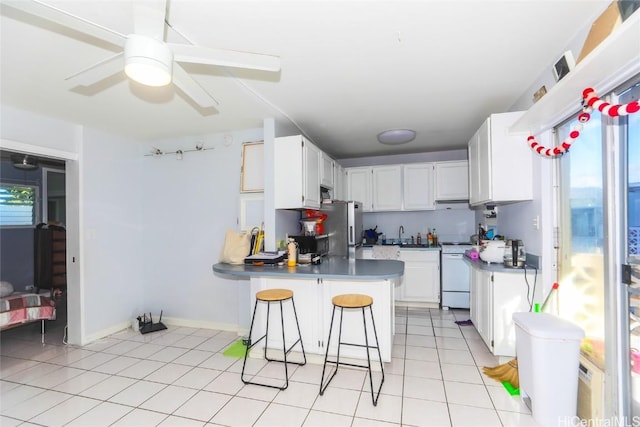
<point>147,325</point>
<point>464,322</point>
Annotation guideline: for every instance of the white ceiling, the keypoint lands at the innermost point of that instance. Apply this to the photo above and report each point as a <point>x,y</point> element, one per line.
<point>349,69</point>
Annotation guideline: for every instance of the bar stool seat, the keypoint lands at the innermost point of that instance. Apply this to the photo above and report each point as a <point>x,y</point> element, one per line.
<point>270,296</point>
<point>352,302</point>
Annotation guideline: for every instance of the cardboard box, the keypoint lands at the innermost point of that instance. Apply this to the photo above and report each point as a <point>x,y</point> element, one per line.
<point>606,23</point>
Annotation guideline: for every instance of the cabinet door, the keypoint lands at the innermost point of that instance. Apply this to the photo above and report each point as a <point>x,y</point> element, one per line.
<point>452,180</point>
<point>511,159</point>
<point>421,280</point>
<point>339,182</point>
<point>387,188</point>
<point>359,186</point>
<point>311,175</point>
<point>509,296</point>
<point>474,170</point>
<point>418,187</point>
<point>288,172</point>
<point>481,289</point>
<point>306,294</point>
<point>485,193</point>
<point>352,324</point>
<point>326,171</point>
<point>473,299</point>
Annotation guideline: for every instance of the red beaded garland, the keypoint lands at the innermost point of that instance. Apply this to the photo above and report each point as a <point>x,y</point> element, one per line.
<point>591,101</point>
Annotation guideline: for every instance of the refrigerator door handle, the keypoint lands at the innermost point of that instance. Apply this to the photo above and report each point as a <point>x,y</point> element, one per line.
<point>352,239</point>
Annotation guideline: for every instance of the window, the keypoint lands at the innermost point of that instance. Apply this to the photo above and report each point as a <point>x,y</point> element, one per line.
<point>581,292</point>
<point>18,205</point>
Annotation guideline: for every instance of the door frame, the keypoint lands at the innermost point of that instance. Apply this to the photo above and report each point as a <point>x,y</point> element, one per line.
<point>75,311</point>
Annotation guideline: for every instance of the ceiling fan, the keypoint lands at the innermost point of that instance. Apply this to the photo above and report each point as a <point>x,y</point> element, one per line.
<point>146,57</point>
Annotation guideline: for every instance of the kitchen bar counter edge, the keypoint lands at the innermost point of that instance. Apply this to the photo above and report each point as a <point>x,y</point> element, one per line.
<point>495,267</point>
<point>331,268</point>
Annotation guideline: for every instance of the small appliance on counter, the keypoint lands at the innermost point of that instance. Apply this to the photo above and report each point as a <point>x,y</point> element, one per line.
<point>492,250</point>
<point>371,236</point>
<point>317,245</point>
<point>514,254</point>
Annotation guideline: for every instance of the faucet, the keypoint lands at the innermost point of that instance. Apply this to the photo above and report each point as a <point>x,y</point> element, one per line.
<point>400,231</point>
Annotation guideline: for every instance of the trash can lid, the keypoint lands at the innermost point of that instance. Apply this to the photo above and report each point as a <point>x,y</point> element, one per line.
<point>545,325</point>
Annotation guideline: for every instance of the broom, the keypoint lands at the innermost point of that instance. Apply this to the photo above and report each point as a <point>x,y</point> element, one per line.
<point>508,372</point>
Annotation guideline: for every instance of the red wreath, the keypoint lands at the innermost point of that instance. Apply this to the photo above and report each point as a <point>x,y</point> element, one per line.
<point>591,101</point>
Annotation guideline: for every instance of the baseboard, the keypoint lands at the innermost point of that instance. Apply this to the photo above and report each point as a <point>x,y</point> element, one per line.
<point>169,321</point>
<point>105,332</point>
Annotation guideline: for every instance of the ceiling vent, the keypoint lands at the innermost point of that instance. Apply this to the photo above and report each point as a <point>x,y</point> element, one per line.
<point>24,161</point>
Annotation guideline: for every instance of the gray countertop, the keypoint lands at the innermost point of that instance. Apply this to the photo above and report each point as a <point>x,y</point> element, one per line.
<point>408,247</point>
<point>331,268</point>
<point>494,267</point>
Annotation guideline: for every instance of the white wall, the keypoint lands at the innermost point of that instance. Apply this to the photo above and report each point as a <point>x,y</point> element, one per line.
<point>453,223</point>
<point>103,221</point>
<point>187,207</point>
<point>111,231</point>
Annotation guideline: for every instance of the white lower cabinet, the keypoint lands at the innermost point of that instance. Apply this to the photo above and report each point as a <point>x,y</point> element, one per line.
<point>313,304</point>
<point>495,296</point>
<point>421,280</point>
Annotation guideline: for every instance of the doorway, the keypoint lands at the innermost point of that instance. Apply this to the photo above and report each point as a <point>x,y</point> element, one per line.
<point>65,204</point>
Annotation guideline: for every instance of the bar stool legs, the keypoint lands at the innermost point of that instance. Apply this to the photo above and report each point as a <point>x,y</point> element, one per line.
<point>274,296</point>
<point>353,301</point>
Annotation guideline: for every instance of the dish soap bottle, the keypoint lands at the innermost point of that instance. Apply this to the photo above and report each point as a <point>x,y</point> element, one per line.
<point>435,237</point>
<point>292,253</point>
<point>429,238</point>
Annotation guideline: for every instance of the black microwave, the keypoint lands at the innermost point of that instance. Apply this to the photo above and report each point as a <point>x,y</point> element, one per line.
<point>313,244</point>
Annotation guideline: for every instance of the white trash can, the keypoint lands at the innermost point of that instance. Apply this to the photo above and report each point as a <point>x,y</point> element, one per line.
<point>548,352</point>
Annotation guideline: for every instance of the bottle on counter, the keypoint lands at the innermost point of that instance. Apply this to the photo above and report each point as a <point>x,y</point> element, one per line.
<point>429,238</point>
<point>292,253</point>
<point>435,237</point>
<point>419,239</point>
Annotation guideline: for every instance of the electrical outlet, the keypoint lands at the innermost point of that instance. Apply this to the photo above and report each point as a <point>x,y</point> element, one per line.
<point>536,222</point>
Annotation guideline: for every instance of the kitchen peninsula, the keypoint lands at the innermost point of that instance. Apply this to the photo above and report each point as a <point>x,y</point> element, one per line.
<point>313,287</point>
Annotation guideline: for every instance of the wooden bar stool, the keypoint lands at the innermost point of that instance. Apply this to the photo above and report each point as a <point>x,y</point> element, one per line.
<point>274,296</point>
<point>353,301</point>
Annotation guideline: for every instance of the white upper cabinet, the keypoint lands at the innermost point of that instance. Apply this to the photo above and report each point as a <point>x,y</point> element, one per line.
<point>326,171</point>
<point>359,186</point>
<point>297,173</point>
<point>452,180</point>
<point>418,187</point>
<point>339,182</point>
<point>500,164</point>
<point>387,188</point>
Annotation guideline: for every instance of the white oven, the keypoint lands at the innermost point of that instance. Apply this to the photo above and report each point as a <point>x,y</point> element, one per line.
<point>456,276</point>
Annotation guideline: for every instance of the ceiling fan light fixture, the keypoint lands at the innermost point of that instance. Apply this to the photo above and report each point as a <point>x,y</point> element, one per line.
<point>396,136</point>
<point>148,61</point>
<point>24,162</point>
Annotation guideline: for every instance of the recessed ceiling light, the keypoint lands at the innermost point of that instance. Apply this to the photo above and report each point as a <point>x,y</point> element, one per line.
<point>396,136</point>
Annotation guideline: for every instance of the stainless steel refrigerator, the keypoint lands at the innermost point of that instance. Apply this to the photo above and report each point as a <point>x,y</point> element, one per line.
<point>344,228</point>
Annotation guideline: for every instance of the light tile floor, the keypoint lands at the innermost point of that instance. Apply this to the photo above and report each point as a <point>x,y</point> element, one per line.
<point>179,377</point>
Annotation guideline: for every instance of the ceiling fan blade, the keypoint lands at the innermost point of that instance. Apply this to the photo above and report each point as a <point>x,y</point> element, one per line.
<point>223,57</point>
<point>59,16</point>
<point>149,17</point>
<point>191,88</point>
<point>99,71</point>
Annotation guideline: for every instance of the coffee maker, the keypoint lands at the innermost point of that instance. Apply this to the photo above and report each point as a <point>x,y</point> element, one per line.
<point>514,254</point>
